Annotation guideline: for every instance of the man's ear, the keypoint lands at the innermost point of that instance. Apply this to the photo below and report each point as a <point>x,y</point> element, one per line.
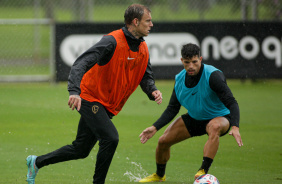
<point>135,22</point>
<point>201,58</point>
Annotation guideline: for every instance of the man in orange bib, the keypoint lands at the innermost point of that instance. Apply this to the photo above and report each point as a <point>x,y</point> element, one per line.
<point>100,82</point>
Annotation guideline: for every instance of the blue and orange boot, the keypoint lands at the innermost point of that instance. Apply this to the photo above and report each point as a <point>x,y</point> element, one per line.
<point>32,169</point>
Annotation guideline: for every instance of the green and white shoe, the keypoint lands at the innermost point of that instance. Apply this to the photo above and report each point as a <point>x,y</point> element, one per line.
<point>32,169</point>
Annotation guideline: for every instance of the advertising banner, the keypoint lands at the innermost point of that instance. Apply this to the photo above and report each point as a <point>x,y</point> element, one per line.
<point>239,49</point>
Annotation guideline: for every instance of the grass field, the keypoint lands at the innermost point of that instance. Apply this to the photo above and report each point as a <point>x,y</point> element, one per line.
<point>35,119</point>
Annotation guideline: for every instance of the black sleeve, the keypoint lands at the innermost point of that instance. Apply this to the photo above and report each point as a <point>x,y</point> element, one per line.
<point>148,83</point>
<point>218,84</point>
<point>101,53</point>
<point>170,112</point>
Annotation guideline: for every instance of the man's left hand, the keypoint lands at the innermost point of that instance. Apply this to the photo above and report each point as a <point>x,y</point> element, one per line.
<point>147,134</point>
<point>235,133</point>
<point>158,96</point>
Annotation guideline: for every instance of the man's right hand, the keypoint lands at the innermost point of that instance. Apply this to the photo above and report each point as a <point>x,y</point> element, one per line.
<point>235,133</point>
<point>74,102</point>
<point>147,134</point>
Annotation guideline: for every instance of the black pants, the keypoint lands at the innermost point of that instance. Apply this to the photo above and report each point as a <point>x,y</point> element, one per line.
<point>94,125</point>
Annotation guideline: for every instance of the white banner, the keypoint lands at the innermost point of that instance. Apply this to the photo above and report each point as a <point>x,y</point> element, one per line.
<point>164,48</point>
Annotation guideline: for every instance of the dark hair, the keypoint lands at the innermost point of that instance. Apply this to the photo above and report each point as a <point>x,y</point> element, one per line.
<point>134,11</point>
<point>190,50</point>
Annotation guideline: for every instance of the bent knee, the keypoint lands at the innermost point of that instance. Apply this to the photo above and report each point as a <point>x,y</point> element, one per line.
<point>214,129</point>
<point>163,142</point>
<point>112,141</point>
<point>115,140</point>
<point>83,154</point>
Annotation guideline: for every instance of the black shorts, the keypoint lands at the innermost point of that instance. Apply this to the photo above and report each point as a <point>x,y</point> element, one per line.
<point>198,127</point>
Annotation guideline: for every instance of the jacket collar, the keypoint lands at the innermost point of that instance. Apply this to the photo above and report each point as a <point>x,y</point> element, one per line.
<point>133,42</point>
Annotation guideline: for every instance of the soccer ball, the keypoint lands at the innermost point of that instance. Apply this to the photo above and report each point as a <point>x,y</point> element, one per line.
<point>206,179</point>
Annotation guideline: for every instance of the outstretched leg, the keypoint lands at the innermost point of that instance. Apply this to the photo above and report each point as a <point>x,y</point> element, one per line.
<point>93,126</point>
<point>80,148</point>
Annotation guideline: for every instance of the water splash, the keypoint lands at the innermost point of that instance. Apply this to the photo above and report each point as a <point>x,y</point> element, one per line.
<point>136,172</point>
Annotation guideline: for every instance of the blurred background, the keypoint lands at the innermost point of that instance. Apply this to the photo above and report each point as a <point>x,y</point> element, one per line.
<point>27,26</point>
<point>35,118</point>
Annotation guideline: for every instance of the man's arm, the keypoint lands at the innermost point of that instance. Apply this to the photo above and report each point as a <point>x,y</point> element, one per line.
<point>170,112</point>
<point>147,83</point>
<point>219,86</point>
<point>101,53</point>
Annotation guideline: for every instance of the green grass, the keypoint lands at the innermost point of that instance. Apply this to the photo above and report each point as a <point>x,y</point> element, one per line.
<point>25,70</point>
<point>35,119</point>
<point>24,41</point>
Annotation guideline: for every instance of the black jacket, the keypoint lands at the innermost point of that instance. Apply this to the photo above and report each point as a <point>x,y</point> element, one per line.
<point>101,53</point>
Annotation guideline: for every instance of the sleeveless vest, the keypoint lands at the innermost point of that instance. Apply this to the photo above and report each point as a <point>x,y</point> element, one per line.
<point>113,83</point>
<point>201,101</point>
